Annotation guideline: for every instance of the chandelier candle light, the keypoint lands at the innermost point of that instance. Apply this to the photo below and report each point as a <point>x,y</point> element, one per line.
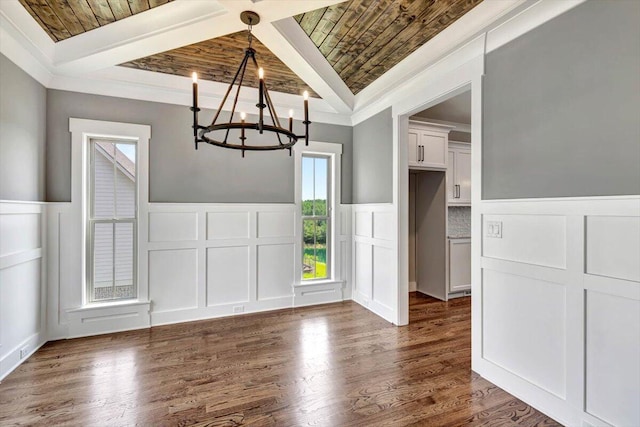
<point>286,138</point>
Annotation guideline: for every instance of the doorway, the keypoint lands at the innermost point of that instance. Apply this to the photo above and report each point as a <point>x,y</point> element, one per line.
<point>439,198</point>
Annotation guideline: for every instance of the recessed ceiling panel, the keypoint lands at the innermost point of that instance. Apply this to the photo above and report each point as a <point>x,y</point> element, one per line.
<point>218,60</point>
<point>62,19</point>
<point>362,39</point>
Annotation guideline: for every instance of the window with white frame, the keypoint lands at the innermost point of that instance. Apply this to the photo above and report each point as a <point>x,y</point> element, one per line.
<point>316,206</point>
<point>111,220</point>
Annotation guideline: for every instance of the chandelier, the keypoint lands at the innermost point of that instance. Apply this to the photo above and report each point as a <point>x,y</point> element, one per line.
<point>284,138</point>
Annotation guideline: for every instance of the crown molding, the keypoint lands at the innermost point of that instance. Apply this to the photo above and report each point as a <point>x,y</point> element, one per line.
<point>158,87</point>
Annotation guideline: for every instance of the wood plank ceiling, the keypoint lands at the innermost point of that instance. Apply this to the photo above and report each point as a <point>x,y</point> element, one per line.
<point>362,39</point>
<point>218,60</point>
<point>62,19</point>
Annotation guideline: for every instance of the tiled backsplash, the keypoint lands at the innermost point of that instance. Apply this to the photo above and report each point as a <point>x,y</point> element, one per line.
<point>459,221</point>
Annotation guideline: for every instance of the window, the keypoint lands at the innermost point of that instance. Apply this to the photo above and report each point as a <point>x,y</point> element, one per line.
<point>316,217</point>
<point>111,220</point>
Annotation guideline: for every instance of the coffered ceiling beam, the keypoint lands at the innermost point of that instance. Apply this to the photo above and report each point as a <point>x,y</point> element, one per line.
<point>173,25</point>
<point>156,30</point>
<point>286,39</point>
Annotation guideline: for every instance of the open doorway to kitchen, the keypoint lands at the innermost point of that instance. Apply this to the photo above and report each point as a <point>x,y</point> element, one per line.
<point>439,203</point>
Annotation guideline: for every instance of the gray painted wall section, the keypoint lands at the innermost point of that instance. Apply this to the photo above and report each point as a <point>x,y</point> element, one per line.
<point>177,172</point>
<point>373,159</point>
<point>22,134</point>
<point>562,107</point>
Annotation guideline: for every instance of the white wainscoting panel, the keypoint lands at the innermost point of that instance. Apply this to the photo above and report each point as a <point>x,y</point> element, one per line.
<point>173,226</point>
<point>20,302</point>
<point>613,247</point>
<point>345,257</point>
<point>613,358</point>
<point>275,271</point>
<point>228,275</point>
<point>363,283</point>
<point>227,225</point>
<point>104,319</point>
<point>558,302</point>
<point>173,279</point>
<point>345,220</point>
<point>374,259</point>
<point>20,232</point>
<point>383,293</point>
<point>383,226</point>
<point>22,282</point>
<point>276,224</point>
<point>311,294</point>
<point>363,223</point>
<point>519,313</point>
<point>545,236</point>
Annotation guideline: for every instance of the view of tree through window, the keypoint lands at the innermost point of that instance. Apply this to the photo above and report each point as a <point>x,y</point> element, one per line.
<point>315,217</point>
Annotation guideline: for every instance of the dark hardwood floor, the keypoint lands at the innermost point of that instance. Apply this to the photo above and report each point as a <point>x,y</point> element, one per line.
<point>330,365</point>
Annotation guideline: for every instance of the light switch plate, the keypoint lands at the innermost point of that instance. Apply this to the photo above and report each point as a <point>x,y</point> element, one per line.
<point>494,229</point>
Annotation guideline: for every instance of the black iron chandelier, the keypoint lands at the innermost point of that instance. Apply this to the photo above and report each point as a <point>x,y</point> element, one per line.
<point>286,138</point>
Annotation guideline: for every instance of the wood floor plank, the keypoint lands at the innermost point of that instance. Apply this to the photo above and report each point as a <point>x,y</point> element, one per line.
<point>329,365</point>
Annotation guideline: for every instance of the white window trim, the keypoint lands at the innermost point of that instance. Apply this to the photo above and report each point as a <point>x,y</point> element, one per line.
<point>82,131</point>
<point>334,152</point>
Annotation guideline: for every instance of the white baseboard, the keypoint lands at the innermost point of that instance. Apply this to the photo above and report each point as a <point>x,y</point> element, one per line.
<point>413,286</point>
<point>381,310</point>
<point>12,360</point>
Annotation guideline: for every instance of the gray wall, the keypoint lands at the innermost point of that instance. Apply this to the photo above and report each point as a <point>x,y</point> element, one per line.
<point>177,172</point>
<point>373,159</point>
<point>459,136</point>
<point>561,110</point>
<point>22,134</point>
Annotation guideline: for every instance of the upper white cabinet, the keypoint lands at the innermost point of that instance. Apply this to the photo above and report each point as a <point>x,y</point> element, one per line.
<point>428,145</point>
<point>459,174</point>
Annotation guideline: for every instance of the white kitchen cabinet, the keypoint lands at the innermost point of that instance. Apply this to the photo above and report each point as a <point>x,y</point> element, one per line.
<point>459,174</point>
<point>427,145</point>
<point>459,265</point>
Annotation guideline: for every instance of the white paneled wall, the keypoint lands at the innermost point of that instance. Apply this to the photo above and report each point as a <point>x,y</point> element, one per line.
<point>374,245</point>
<point>221,260</point>
<point>66,315</point>
<point>559,304</point>
<point>22,282</point>
<point>229,259</point>
<point>200,261</point>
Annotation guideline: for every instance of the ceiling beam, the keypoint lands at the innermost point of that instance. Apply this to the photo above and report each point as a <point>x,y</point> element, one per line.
<point>156,30</point>
<point>288,41</point>
<point>467,28</point>
<point>172,25</point>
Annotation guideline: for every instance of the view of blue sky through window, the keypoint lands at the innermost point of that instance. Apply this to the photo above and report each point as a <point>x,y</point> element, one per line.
<point>128,150</point>
<point>312,189</point>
